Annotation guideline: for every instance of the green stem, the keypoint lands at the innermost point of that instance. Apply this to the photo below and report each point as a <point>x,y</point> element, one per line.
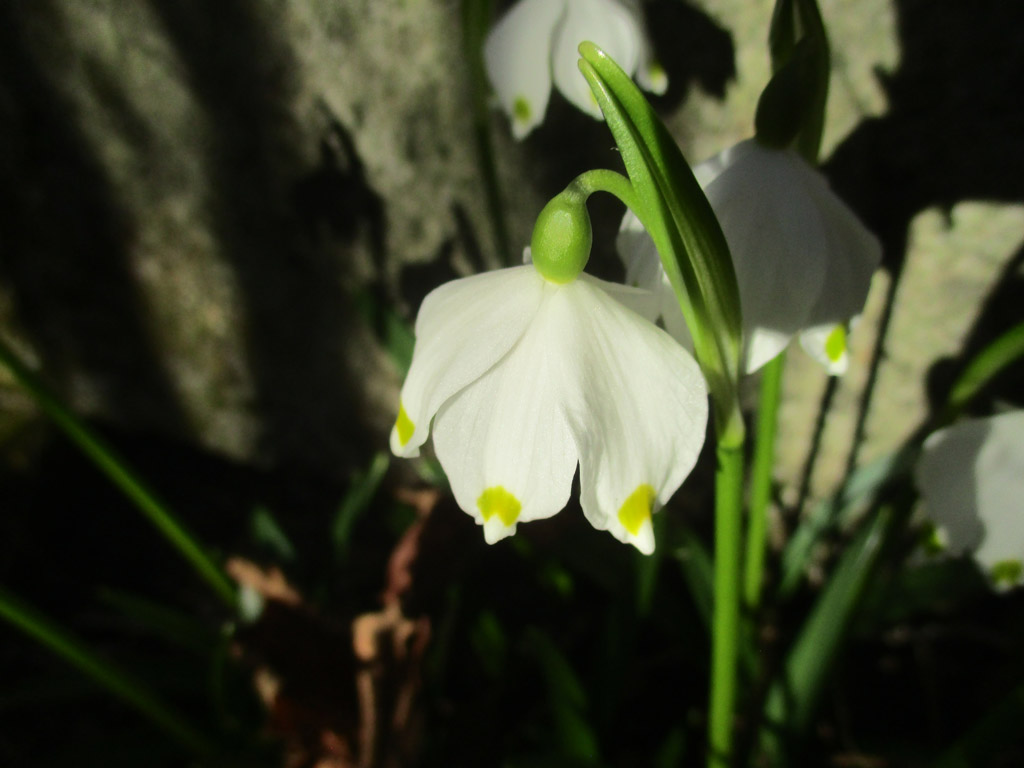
<point>117,470</point>
<point>603,180</point>
<point>103,672</point>
<point>725,620</point>
<point>476,21</point>
<point>761,480</point>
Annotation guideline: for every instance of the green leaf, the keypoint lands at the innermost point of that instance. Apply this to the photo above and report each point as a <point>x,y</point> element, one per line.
<point>678,217</point>
<point>357,499</point>
<point>998,728</point>
<point>984,367</point>
<point>913,590</point>
<point>698,571</point>
<point>115,681</point>
<point>267,533</point>
<point>566,697</point>
<point>169,624</point>
<point>793,697</point>
<point>488,640</point>
<point>836,511</point>
<point>123,477</point>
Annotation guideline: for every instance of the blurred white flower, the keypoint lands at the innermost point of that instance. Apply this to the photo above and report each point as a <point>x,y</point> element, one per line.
<point>535,43</point>
<point>803,260</point>
<point>527,377</point>
<point>971,478</point>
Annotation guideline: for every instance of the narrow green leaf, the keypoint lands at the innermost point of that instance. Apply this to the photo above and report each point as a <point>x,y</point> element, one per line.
<point>105,673</point>
<point>837,511</point>
<point>356,500</point>
<point>679,219</point>
<point>984,367</point>
<point>782,33</point>
<point>169,624</point>
<point>793,697</point>
<point>699,573</point>
<point>566,697</point>
<point>997,729</point>
<point>267,532</point>
<point>124,477</point>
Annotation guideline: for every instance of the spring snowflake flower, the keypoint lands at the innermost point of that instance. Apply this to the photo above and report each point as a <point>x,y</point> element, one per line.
<point>803,260</point>
<point>525,376</point>
<point>971,477</point>
<point>536,43</point>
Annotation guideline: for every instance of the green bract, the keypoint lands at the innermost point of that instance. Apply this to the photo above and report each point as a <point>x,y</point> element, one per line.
<point>673,209</point>
<point>562,238</point>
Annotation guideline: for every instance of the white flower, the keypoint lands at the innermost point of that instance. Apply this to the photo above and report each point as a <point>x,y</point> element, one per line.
<point>536,41</point>
<point>971,477</point>
<point>528,377</point>
<point>803,261</point>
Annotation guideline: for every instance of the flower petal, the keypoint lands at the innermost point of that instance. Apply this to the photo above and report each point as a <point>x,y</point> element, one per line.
<point>827,344</point>
<point>854,254</point>
<point>504,441</point>
<point>463,328</point>
<point>517,55</point>
<point>650,75</point>
<point>644,270</point>
<point>607,23</point>
<point>639,416</point>
<point>971,476</point>
<point>778,244</point>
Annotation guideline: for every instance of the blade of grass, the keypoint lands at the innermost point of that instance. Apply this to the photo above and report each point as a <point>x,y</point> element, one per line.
<point>105,673</point>
<point>121,475</point>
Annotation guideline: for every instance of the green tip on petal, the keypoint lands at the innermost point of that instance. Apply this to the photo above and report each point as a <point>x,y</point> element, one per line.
<point>521,110</point>
<point>404,426</point>
<point>1007,573</point>
<point>497,501</point>
<point>835,343</point>
<point>637,508</point>
<point>562,237</point>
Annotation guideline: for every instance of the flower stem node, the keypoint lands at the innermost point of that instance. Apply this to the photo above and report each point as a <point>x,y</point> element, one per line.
<point>562,237</point>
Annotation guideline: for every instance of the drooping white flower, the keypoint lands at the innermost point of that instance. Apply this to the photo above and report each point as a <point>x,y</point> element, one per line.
<point>529,377</point>
<point>971,478</point>
<point>535,43</point>
<point>803,260</point>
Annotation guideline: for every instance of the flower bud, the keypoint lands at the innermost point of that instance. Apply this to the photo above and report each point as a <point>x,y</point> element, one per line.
<point>562,237</point>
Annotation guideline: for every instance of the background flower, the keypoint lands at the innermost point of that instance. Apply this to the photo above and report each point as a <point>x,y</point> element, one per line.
<point>971,476</point>
<point>803,260</point>
<point>535,43</point>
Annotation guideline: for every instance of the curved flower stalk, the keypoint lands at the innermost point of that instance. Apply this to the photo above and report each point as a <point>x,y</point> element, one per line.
<point>529,370</point>
<point>803,260</point>
<point>971,477</point>
<point>535,43</point>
